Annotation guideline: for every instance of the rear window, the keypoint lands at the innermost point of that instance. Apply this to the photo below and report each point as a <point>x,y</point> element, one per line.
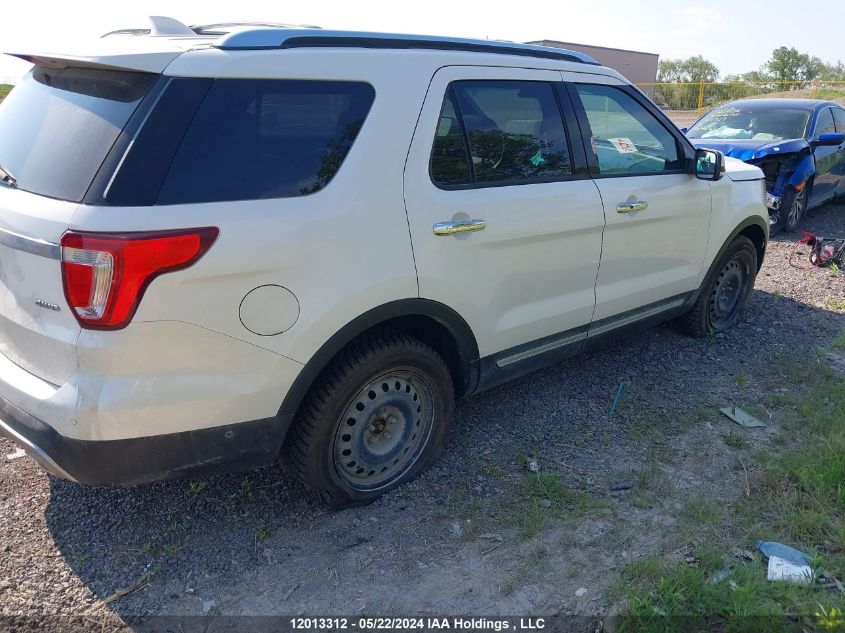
<point>254,139</point>
<point>58,125</point>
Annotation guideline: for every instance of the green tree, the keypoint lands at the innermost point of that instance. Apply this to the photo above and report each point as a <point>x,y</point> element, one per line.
<point>692,69</point>
<point>669,70</point>
<point>752,76</point>
<point>789,64</point>
<point>689,72</point>
<point>833,72</point>
<point>699,69</point>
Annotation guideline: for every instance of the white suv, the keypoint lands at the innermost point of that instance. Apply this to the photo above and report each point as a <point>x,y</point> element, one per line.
<point>223,244</point>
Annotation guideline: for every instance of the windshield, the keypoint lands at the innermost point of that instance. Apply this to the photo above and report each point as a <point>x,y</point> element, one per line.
<point>748,122</point>
<point>58,125</point>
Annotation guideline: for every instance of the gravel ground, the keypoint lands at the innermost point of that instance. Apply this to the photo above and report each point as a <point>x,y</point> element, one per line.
<point>455,540</point>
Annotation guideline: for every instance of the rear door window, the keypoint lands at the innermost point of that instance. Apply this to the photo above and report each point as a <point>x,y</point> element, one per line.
<point>254,139</point>
<point>449,156</point>
<point>58,125</point>
<point>512,132</point>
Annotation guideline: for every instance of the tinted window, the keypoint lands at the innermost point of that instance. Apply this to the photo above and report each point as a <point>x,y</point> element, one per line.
<point>824,123</point>
<point>625,137</point>
<point>58,125</point>
<point>839,118</point>
<point>449,158</point>
<point>514,129</point>
<point>254,139</point>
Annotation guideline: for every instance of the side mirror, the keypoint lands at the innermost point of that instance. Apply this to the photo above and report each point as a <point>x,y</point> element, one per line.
<point>684,129</point>
<point>828,140</point>
<point>708,164</point>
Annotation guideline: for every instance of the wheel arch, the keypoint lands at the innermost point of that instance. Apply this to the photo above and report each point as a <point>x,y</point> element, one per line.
<point>432,322</point>
<point>754,231</point>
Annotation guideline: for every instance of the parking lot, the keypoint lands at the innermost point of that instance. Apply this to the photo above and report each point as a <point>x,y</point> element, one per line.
<point>480,532</point>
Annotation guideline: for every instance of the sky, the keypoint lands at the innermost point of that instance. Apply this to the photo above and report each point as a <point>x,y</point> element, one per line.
<point>736,36</point>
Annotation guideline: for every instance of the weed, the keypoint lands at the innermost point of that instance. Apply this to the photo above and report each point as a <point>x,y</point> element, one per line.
<point>740,379</point>
<point>836,304</point>
<point>263,533</point>
<point>701,511</point>
<point>494,471</point>
<point>692,418</point>
<point>736,441</point>
<point>559,502</point>
<point>196,487</point>
<point>536,561</point>
<point>244,492</point>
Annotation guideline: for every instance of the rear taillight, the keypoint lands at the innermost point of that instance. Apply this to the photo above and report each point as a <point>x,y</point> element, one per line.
<point>105,274</point>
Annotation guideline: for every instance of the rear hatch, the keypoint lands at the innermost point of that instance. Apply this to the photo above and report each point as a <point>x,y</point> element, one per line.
<point>56,128</point>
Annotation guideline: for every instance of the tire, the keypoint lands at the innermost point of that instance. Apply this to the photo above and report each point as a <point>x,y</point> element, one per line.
<point>375,418</point>
<point>794,208</point>
<point>725,292</point>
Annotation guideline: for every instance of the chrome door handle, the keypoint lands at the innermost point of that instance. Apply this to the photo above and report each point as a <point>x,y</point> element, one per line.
<point>458,226</point>
<point>627,207</point>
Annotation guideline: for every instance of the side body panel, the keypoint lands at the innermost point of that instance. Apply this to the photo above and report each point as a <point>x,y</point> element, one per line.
<point>531,272</point>
<point>652,254</point>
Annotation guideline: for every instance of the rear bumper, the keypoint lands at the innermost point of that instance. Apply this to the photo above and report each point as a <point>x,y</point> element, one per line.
<point>143,459</point>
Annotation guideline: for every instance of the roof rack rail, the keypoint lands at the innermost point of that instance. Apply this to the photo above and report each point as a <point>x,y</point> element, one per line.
<point>127,32</point>
<point>224,28</point>
<point>164,26</point>
<point>261,38</point>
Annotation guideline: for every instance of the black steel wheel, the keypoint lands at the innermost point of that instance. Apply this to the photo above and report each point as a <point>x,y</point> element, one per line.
<point>728,291</point>
<point>375,418</point>
<point>725,292</point>
<point>384,430</point>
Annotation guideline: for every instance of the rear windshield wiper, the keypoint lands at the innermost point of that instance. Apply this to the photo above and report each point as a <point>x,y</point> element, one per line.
<point>7,177</point>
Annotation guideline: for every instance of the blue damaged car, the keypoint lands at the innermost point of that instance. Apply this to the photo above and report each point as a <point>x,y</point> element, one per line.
<point>798,143</point>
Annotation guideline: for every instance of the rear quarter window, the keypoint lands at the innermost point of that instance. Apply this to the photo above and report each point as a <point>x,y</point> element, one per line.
<point>256,139</point>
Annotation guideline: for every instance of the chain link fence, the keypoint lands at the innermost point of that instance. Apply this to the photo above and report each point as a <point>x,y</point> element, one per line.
<point>686,102</point>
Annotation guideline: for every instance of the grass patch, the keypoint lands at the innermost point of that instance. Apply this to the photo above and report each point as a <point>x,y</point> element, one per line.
<point>697,416</point>
<point>836,304</point>
<point>736,441</point>
<point>829,93</point>
<point>701,511</point>
<point>542,496</point>
<point>536,561</point>
<point>4,90</point>
<point>797,498</point>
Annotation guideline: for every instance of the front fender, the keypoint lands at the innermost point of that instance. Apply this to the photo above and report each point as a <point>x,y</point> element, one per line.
<point>803,171</point>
